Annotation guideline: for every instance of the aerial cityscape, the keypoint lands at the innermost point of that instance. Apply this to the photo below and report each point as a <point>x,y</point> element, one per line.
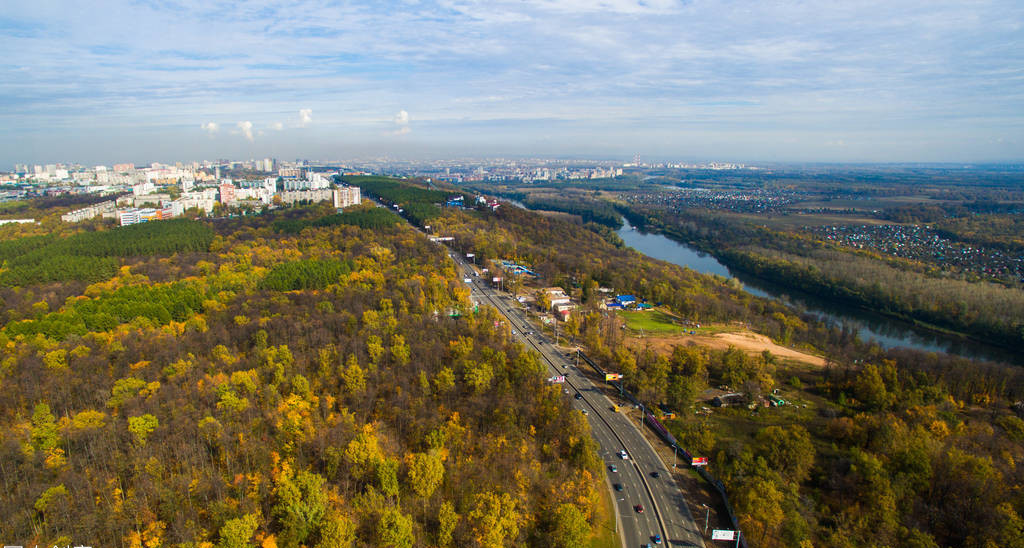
<point>550,273</point>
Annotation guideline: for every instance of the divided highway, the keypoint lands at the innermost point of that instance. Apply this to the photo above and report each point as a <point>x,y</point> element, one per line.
<point>643,477</point>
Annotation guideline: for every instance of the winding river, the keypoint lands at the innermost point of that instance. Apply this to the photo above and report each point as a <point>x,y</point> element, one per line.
<point>887,332</point>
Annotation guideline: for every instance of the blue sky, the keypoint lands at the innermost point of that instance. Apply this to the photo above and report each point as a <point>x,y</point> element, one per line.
<point>848,81</point>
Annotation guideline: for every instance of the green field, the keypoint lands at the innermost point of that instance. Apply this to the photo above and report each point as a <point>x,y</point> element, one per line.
<point>605,533</point>
<point>651,321</point>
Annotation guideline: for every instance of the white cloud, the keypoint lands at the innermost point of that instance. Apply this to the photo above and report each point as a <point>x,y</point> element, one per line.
<point>246,129</point>
<point>402,121</point>
<point>660,66</point>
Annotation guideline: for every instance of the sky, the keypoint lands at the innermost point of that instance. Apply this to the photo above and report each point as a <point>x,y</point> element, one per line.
<point>110,81</point>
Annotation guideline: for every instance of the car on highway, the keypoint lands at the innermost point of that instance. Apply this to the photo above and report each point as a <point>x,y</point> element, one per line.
<point>617,486</point>
<point>578,396</point>
<point>648,545</point>
<point>639,508</point>
<point>613,468</point>
<point>657,538</point>
<point>623,455</point>
<point>655,474</point>
<point>584,411</point>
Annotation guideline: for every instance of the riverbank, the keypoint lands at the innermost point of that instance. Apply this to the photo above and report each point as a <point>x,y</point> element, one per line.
<point>889,330</point>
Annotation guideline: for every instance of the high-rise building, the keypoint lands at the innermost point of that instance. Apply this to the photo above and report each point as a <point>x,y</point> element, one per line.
<point>227,194</point>
<point>346,196</point>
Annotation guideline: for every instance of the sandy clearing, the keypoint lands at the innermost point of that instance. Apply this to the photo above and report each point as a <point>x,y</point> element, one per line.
<point>750,342</point>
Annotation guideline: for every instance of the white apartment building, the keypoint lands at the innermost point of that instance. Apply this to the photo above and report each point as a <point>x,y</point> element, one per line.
<point>346,196</point>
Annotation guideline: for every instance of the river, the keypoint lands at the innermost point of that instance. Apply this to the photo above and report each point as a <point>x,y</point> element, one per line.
<point>887,332</point>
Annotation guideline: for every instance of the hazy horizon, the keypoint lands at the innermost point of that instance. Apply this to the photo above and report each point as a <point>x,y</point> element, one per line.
<point>875,82</point>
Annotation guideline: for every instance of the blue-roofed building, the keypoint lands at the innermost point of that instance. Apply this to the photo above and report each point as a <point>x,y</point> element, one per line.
<point>625,299</point>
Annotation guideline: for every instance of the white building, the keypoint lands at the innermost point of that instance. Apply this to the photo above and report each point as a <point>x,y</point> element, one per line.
<point>293,196</point>
<point>346,196</point>
<point>143,188</point>
<point>89,212</point>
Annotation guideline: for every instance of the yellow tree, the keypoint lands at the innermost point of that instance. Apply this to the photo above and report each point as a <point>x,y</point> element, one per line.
<point>494,519</point>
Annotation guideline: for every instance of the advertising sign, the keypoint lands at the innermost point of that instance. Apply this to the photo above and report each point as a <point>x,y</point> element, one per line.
<point>699,461</point>
<point>613,376</point>
<point>557,380</point>
<point>496,279</point>
<point>470,255</point>
<point>722,534</point>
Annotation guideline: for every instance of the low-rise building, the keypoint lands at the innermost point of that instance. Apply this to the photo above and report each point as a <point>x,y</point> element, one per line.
<point>89,212</point>
<point>295,196</point>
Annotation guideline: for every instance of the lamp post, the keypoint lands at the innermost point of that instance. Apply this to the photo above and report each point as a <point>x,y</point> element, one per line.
<point>707,515</point>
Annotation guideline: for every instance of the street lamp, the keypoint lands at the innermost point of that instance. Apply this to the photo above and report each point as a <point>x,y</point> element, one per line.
<point>706,516</point>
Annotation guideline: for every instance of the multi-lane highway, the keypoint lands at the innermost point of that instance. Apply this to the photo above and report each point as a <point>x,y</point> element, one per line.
<point>643,477</point>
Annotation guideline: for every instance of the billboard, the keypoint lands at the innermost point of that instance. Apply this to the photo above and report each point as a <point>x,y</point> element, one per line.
<point>496,279</point>
<point>557,380</point>
<point>722,534</point>
<point>613,376</point>
<point>699,461</point>
<point>470,255</point>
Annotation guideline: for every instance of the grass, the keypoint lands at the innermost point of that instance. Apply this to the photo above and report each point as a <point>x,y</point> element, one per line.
<point>651,321</point>
<point>658,322</point>
<point>604,535</point>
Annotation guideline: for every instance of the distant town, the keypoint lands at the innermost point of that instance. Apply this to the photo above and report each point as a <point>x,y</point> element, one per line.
<point>163,191</point>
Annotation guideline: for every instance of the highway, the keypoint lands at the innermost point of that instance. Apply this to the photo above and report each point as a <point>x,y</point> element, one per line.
<point>665,510</point>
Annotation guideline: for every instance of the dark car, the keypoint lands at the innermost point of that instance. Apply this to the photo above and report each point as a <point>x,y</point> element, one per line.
<point>657,538</point>
<point>639,508</point>
<point>617,486</point>
<point>578,396</point>
<point>655,474</point>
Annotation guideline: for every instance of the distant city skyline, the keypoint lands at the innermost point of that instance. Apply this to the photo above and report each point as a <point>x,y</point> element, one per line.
<point>885,81</point>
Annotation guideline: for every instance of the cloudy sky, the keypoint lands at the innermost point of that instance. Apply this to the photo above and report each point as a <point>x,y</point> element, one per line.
<point>828,80</point>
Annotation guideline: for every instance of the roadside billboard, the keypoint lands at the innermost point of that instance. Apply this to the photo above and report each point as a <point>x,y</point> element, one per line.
<point>613,376</point>
<point>723,534</point>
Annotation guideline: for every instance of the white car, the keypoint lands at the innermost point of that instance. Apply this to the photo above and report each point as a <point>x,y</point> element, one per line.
<point>623,455</point>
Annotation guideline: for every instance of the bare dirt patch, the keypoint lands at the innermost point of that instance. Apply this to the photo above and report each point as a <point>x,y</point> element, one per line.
<point>747,341</point>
